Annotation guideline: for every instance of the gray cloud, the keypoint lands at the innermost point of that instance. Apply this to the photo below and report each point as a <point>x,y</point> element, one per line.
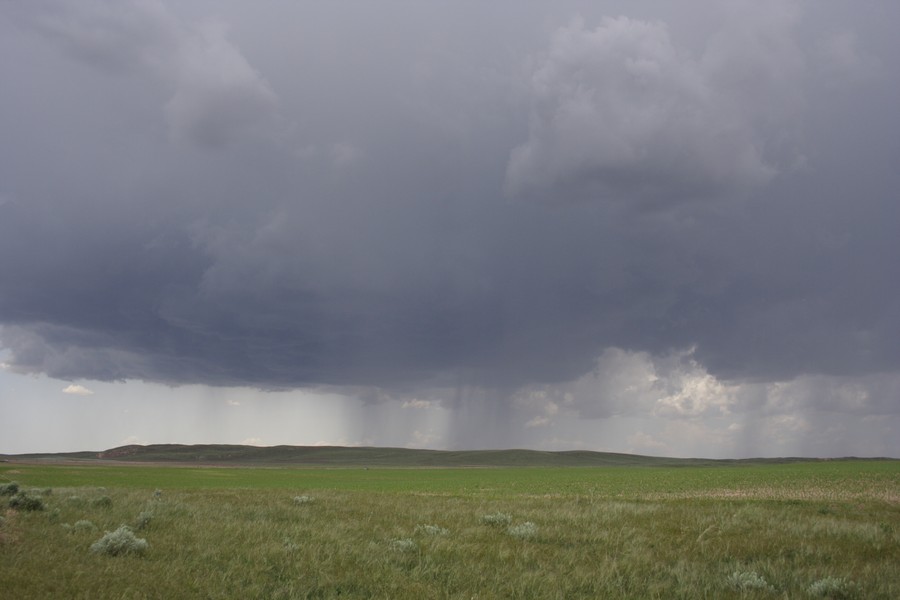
<point>216,95</point>
<point>621,112</point>
<point>119,37</point>
<point>219,95</point>
<point>340,217</point>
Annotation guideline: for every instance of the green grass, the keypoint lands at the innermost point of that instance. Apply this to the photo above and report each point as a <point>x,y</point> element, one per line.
<point>845,477</point>
<point>759,531</point>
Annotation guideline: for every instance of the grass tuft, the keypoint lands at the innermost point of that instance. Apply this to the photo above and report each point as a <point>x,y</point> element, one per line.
<point>298,500</point>
<point>430,530</point>
<point>496,519</point>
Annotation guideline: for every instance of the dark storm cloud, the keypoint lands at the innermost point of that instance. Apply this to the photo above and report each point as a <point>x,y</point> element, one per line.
<point>215,94</point>
<point>622,113</point>
<point>294,200</point>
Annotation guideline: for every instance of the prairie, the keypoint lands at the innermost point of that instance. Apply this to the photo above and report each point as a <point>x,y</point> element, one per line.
<point>827,529</point>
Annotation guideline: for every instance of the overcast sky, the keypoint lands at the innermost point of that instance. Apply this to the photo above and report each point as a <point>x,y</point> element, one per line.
<point>652,227</point>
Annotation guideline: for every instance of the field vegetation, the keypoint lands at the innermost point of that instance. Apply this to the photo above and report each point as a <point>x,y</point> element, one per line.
<point>796,530</point>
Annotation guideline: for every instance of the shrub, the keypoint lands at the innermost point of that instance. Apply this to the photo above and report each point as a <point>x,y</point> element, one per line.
<point>53,517</point>
<point>498,518</point>
<point>523,530</point>
<point>745,581</point>
<point>102,502</point>
<point>9,489</point>
<point>430,530</point>
<point>303,500</point>
<point>83,525</point>
<point>403,545</point>
<point>836,588</point>
<point>143,520</point>
<point>118,542</point>
<point>22,501</point>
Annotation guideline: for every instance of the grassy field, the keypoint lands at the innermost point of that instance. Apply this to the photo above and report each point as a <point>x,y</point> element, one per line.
<point>797,530</point>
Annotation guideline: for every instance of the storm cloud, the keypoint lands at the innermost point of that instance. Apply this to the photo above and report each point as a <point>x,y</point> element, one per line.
<point>620,112</point>
<point>537,202</point>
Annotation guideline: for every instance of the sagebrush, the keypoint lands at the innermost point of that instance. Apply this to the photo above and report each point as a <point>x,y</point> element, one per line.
<point>9,489</point>
<point>25,501</point>
<point>119,542</point>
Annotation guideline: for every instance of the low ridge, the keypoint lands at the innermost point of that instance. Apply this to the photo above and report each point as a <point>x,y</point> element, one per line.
<point>226,454</point>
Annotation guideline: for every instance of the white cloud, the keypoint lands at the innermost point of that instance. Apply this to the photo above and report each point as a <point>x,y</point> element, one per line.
<point>231,402</point>
<point>693,393</point>
<point>539,421</point>
<point>417,404</point>
<point>77,390</point>
<point>630,383</point>
<point>252,441</point>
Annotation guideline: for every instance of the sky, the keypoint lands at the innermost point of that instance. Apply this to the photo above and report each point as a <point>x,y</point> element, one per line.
<point>648,227</point>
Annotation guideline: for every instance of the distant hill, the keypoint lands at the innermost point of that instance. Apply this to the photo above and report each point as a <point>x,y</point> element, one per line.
<point>381,457</point>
